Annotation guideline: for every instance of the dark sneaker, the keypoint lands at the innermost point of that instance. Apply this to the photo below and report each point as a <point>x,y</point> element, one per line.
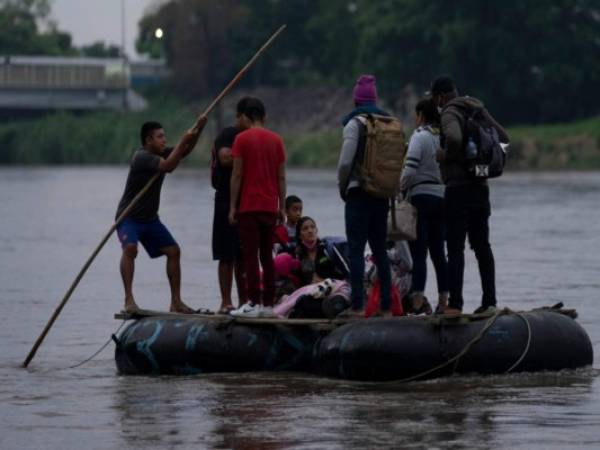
<point>490,310</point>
<point>448,310</point>
<point>425,308</point>
<point>417,305</point>
<point>352,314</point>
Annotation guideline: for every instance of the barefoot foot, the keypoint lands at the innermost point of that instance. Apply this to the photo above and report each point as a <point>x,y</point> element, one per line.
<point>131,306</point>
<point>180,307</point>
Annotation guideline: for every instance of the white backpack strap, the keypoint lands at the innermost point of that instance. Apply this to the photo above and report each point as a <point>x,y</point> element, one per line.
<point>361,118</point>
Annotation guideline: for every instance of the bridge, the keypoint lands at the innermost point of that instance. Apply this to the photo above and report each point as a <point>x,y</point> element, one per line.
<point>30,83</point>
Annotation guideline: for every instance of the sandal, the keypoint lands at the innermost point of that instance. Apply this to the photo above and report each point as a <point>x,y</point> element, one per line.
<point>226,310</point>
<point>131,309</point>
<point>181,309</point>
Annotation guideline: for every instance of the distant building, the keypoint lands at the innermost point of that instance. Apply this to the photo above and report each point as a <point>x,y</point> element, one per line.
<point>48,83</point>
<point>147,73</point>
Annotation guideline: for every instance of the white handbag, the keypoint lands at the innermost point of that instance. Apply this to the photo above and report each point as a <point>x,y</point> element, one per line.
<point>402,221</point>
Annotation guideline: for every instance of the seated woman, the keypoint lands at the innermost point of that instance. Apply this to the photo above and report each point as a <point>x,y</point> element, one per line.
<point>324,292</point>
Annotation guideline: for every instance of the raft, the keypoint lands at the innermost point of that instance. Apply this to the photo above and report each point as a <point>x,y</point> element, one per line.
<point>378,349</point>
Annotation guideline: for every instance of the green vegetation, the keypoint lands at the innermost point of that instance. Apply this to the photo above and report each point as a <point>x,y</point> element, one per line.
<point>532,61</point>
<point>27,29</point>
<point>316,149</point>
<point>561,146</point>
<point>20,32</point>
<point>110,138</point>
<point>94,138</point>
<point>539,147</point>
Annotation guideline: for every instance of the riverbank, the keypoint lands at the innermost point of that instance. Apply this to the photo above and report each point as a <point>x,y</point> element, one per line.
<point>110,138</point>
<point>559,146</point>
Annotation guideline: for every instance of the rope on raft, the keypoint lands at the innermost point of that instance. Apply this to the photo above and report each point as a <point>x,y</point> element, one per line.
<point>511,368</point>
<point>455,359</point>
<point>111,338</point>
<point>96,353</point>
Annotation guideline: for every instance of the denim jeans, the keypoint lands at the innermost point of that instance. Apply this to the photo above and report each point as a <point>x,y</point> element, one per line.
<point>430,237</point>
<point>467,214</point>
<point>366,221</point>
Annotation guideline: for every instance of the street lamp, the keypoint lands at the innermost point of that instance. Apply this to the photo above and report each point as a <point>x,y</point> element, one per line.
<point>158,33</point>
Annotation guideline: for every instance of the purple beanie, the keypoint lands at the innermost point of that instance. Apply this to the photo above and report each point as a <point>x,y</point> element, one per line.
<point>365,90</point>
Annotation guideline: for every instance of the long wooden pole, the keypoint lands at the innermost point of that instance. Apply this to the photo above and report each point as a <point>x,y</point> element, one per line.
<point>242,72</point>
<point>133,202</point>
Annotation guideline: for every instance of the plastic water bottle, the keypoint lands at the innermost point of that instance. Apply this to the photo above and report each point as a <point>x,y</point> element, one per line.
<point>471,150</point>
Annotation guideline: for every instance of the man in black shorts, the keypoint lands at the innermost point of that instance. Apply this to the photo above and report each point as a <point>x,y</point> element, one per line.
<point>142,223</point>
<point>225,239</point>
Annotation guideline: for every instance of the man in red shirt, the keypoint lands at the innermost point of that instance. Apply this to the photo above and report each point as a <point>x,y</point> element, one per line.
<point>257,200</point>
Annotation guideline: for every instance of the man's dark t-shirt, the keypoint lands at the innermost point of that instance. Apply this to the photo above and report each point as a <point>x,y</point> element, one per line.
<point>223,174</point>
<point>144,165</point>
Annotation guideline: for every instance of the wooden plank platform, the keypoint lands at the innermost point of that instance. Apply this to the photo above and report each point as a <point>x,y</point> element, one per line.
<point>454,319</point>
<point>441,319</point>
<point>224,318</point>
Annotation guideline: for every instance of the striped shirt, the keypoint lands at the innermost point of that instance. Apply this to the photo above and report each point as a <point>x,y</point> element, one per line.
<point>421,174</point>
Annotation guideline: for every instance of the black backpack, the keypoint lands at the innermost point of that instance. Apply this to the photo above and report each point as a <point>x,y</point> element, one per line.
<point>484,156</point>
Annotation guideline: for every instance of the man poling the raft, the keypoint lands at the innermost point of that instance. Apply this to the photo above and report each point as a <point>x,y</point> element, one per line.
<point>191,138</point>
<point>142,223</point>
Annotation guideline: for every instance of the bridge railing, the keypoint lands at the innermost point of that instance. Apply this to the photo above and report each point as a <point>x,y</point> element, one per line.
<point>63,73</point>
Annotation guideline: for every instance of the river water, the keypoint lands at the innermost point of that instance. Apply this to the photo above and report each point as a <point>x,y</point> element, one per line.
<point>545,238</point>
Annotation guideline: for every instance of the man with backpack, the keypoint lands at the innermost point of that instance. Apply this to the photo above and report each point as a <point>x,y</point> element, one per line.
<point>470,153</point>
<point>371,140</point>
<point>225,239</point>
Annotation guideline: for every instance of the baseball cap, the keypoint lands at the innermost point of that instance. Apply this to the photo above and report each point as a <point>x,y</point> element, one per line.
<point>442,85</point>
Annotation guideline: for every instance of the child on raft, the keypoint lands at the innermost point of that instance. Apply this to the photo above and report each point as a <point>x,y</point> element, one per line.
<point>285,233</point>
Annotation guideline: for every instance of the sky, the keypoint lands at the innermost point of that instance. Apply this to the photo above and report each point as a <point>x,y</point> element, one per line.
<point>100,20</point>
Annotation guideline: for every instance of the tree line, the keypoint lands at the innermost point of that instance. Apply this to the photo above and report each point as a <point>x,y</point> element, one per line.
<point>529,61</point>
<point>26,29</point>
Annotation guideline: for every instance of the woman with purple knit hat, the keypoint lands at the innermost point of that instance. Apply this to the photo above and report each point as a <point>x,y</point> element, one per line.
<point>365,215</point>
